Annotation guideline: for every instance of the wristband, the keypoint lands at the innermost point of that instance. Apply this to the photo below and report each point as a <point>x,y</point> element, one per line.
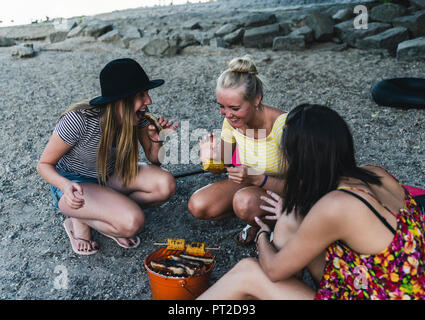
<point>264,181</point>
<point>259,233</point>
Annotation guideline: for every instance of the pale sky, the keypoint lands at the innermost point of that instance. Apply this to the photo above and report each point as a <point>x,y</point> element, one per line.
<point>26,11</point>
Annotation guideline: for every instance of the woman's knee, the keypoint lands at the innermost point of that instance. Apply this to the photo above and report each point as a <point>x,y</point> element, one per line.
<point>197,207</point>
<point>166,186</point>
<point>131,222</point>
<point>245,269</point>
<point>245,203</point>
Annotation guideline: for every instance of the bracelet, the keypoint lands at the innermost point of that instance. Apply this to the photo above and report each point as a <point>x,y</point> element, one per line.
<point>159,141</point>
<point>264,181</point>
<point>259,233</point>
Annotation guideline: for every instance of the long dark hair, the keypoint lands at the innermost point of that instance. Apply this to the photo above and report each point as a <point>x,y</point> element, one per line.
<point>318,147</point>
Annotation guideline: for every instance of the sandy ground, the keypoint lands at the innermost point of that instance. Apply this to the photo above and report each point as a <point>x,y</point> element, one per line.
<point>34,248</point>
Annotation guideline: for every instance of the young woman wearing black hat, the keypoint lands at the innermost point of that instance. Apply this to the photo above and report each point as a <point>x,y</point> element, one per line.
<point>91,160</point>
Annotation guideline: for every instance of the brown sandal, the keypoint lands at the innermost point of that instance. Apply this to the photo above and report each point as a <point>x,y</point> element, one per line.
<point>246,236</point>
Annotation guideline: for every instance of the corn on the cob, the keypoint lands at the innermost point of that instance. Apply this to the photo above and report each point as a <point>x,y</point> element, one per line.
<point>175,244</point>
<point>196,248</point>
<point>210,164</point>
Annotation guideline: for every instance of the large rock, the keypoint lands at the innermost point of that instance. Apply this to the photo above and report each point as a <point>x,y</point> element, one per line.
<point>387,12</point>
<point>321,24</point>
<point>350,35</point>
<point>234,37</point>
<point>138,44</point>
<point>192,25</point>
<point>77,31</point>
<point>226,29</point>
<point>411,50</point>
<point>57,36</point>
<point>261,37</point>
<point>28,32</point>
<point>258,20</point>
<point>414,23</point>
<point>25,50</point>
<point>218,42</point>
<point>291,43</point>
<point>418,3</point>
<point>64,25</point>
<point>70,44</point>
<point>97,28</point>
<point>186,40</point>
<point>388,40</point>
<point>203,38</point>
<point>161,47</point>
<point>305,32</point>
<point>130,33</point>
<point>111,36</point>
<point>343,15</point>
<point>6,42</point>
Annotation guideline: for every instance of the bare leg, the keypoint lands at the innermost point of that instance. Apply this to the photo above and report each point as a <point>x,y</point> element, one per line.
<point>106,211</point>
<point>214,201</point>
<point>248,281</point>
<point>152,186</point>
<point>246,204</point>
<point>114,210</point>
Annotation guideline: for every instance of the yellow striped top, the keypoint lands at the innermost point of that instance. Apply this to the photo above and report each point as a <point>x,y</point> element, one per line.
<point>262,154</point>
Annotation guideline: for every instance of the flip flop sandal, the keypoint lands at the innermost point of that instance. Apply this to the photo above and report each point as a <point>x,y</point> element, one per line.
<point>120,244</point>
<point>242,236</point>
<point>70,232</point>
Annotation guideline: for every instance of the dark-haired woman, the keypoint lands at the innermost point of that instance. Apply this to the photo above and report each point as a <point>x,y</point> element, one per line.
<point>356,229</point>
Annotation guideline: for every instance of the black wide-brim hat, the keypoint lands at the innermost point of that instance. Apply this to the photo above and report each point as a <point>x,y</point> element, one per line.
<point>121,78</point>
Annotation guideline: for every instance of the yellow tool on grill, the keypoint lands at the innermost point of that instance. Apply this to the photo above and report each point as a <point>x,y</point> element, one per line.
<point>195,248</point>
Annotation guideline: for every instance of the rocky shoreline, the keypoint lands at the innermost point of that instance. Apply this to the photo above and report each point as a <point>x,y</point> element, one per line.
<point>389,28</point>
<point>34,249</point>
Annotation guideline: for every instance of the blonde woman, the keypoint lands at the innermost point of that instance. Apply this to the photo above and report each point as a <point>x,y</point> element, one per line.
<point>255,130</point>
<point>91,160</point>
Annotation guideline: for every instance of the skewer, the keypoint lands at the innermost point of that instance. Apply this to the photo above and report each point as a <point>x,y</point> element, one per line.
<point>187,174</point>
<point>165,244</point>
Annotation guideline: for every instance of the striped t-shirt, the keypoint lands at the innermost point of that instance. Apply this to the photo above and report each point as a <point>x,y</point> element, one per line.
<point>262,154</point>
<point>82,131</point>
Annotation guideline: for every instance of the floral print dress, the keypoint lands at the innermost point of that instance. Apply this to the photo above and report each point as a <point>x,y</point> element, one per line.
<point>395,273</point>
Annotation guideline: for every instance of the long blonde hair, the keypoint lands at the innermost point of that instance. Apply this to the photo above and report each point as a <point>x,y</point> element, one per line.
<point>117,130</point>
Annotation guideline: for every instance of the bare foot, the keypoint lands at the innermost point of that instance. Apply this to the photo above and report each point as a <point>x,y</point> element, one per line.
<point>127,242</point>
<point>82,231</point>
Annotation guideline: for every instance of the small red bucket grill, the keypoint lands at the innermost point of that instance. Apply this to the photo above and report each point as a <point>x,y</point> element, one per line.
<point>167,287</point>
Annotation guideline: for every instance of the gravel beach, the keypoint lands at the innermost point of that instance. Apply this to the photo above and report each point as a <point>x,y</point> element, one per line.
<point>34,248</point>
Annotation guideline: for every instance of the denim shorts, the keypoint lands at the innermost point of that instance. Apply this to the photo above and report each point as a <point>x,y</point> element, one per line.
<point>57,193</point>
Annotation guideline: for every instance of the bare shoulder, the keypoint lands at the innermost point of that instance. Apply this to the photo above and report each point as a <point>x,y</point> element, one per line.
<point>328,209</point>
<point>375,169</point>
<point>273,113</point>
<point>387,180</point>
<point>329,215</point>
